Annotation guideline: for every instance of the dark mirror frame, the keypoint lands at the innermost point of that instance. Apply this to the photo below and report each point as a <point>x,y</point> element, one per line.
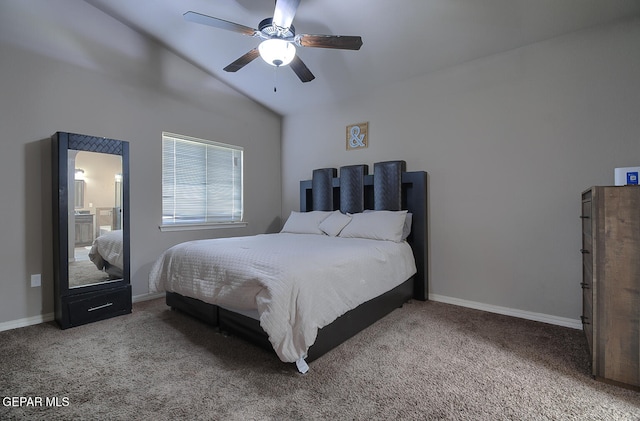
<point>80,305</point>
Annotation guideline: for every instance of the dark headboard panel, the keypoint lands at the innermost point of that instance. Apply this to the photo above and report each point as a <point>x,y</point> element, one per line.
<point>322,183</point>
<point>387,185</point>
<point>394,188</point>
<point>352,188</point>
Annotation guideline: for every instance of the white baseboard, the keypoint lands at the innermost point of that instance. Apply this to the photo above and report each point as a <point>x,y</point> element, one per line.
<point>529,315</point>
<point>27,321</point>
<point>43,318</point>
<point>146,297</point>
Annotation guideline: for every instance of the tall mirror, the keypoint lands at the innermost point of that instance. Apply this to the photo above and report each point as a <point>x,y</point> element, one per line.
<point>91,228</point>
<point>95,222</point>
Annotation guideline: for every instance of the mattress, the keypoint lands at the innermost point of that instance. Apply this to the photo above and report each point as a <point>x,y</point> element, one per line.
<point>295,283</point>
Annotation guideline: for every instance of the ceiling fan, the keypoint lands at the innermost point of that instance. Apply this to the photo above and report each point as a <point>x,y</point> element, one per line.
<point>278,39</point>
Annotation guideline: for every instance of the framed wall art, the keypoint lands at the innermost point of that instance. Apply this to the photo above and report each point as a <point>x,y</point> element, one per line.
<point>357,136</point>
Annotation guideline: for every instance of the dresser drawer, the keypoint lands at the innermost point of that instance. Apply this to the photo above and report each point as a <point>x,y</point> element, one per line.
<point>91,307</point>
<point>587,252</point>
<point>587,316</point>
<point>588,332</point>
<point>585,217</point>
<point>587,277</point>
<point>585,214</point>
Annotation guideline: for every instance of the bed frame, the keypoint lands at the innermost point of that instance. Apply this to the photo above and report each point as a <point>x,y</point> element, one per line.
<point>389,188</point>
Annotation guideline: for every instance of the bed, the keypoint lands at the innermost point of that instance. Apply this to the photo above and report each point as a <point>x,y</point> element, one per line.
<point>107,253</point>
<point>356,250</point>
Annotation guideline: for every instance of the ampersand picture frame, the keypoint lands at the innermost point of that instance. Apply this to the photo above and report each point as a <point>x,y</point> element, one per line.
<point>357,136</point>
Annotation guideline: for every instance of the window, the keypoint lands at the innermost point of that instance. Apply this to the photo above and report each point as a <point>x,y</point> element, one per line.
<point>201,182</point>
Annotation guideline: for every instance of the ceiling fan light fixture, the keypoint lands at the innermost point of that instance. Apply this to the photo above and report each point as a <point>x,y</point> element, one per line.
<point>277,52</point>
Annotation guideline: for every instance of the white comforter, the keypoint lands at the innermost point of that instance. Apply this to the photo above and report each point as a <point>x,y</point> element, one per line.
<point>298,283</point>
<point>107,247</point>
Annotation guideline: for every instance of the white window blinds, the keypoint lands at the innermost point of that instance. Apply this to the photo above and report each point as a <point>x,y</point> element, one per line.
<point>201,181</point>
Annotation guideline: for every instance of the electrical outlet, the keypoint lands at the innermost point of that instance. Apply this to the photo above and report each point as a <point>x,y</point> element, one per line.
<point>36,280</point>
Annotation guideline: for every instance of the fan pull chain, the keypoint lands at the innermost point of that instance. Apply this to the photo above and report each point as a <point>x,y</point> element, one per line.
<point>275,78</point>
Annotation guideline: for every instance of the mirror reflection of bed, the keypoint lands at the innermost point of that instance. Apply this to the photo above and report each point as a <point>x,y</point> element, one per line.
<point>100,262</point>
<point>95,223</point>
<point>82,271</point>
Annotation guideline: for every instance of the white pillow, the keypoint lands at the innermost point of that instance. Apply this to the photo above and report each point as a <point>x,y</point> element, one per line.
<point>378,225</point>
<point>334,223</point>
<point>406,230</point>
<point>305,222</point>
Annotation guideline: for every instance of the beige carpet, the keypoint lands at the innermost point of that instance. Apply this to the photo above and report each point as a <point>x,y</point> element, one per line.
<point>426,360</point>
<point>84,272</point>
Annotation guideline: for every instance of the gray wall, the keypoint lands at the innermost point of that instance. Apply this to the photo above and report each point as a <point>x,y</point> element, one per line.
<point>100,92</point>
<point>509,142</point>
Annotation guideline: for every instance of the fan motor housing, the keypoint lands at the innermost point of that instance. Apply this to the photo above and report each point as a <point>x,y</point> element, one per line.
<point>269,30</point>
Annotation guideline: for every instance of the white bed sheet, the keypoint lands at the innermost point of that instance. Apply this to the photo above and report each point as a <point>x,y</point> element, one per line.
<point>298,283</point>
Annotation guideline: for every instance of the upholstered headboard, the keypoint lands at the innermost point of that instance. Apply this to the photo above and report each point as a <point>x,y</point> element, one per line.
<point>390,187</point>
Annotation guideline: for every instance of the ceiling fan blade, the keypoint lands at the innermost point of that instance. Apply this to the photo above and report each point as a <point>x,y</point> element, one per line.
<point>242,61</point>
<point>340,42</point>
<point>218,23</point>
<point>301,70</point>
<point>284,13</point>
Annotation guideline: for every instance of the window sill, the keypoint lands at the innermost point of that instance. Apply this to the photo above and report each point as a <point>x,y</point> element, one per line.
<point>194,227</point>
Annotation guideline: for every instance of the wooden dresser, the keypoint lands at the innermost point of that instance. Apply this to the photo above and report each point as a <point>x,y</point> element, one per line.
<point>611,282</point>
<point>83,229</point>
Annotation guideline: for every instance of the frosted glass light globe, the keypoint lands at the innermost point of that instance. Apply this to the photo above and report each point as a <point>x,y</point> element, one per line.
<point>277,52</point>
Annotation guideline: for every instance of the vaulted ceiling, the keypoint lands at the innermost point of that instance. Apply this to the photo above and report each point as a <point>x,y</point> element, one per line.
<point>401,39</point>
